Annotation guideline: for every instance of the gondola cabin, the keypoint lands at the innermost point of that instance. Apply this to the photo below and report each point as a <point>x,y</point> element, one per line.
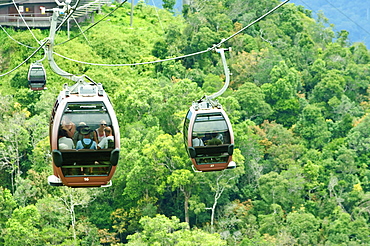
<point>208,138</point>
<point>75,116</point>
<point>36,77</point>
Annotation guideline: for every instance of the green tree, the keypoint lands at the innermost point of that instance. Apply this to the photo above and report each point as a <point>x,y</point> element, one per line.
<point>182,179</point>
<point>7,205</point>
<point>303,226</point>
<point>169,4</point>
<point>358,137</point>
<point>15,140</point>
<point>273,222</point>
<point>54,222</point>
<point>252,102</point>
<point>24,227</point>
<point>312,127</point>
<point>161,230</point>
<point>331,85</point>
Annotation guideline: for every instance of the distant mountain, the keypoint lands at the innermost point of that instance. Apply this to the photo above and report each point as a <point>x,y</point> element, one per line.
<point>353,16</point>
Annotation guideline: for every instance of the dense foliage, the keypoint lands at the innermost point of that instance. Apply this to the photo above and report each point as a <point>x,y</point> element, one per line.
<point>298,103</point>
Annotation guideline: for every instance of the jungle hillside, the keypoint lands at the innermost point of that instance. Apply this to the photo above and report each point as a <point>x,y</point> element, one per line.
<point>298,102</point>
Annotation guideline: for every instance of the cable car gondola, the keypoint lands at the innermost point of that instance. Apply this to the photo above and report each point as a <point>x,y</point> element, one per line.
<point>209,138</point>
<point>208,135</point>
<point>36,77</point>
<point>84,107</point>
<point>77,112</point>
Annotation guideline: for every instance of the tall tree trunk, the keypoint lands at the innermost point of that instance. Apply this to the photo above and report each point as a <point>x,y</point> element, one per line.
<point>186,209</point>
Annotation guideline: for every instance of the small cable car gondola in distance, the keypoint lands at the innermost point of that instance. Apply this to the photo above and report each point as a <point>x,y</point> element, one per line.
<point>209,140</point>
<point>76,112</point>
<point>208,134</point>
<point>36,77</point>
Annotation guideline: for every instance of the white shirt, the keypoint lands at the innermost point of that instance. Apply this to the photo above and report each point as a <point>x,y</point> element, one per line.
<point>198,142</point>
<point>104,142</point>
<point>66,143</point>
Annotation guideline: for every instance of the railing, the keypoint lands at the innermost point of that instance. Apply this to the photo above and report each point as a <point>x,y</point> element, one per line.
<point>34,21</point>
<point>43,20</point>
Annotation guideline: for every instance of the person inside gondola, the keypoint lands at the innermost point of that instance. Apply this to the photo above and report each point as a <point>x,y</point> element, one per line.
<point>86,142</point>
<point>78,135</point>
<point>221,137</point>
<point>100,131</point>
<point>69,127</point>
<point>108,141</point>
<point>64,142</point>
<point>214,140</point>
<point>197,140</point>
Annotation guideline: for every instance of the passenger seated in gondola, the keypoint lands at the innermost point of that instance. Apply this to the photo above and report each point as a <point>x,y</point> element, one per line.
<point>214,140</point>
<point>221,137</point>
<point>100,133</point>
<point>197,140</point>
<point>108,141</point>
<point>78,135</point>
<point>64,142</point>
<point>69,126</point>
<point>86,142</point>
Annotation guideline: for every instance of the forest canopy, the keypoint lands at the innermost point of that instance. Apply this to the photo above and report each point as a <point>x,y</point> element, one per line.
<point>298,101</point>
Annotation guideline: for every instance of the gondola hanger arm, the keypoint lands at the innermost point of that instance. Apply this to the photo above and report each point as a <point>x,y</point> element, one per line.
<point>221,51</point>
<point>49,47</point>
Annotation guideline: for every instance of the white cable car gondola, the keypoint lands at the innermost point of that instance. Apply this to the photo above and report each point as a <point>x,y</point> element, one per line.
<point>208,135</point>
<point>83,108</point>
<point>36,77</point>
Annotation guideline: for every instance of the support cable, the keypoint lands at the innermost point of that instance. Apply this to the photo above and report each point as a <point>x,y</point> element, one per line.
<point>183,56</point>
<point>24,21</point>
<point>70,13</point>
<point>41,46</point>
<point>94,24</point>
<point>79,27</point>
<point>143,63</point>
<point>15,39</point>
<point>227,75</point>
<point>252,23</point>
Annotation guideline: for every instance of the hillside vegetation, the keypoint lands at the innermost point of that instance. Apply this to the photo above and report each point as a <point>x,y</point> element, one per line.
<point>298,103</point>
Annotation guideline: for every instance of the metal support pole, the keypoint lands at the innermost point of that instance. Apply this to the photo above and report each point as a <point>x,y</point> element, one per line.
<point>132,13</point>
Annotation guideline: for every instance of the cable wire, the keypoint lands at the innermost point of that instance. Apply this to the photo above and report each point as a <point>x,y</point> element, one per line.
<point>42,45</point>
<point>254,22</point>
<point>94,23</point>
<point>79,28</point>
<point>134,64</point>
<point>156,11</point>
<point>15,39</point>
<point>183,56</point>
<point>16,7</point>
<point>347,17</point>
<point>69,15</point>
<point>309,7</point>
<point>151,62</point>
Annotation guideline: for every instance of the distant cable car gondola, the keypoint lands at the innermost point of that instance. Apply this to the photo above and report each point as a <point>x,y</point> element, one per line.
<point>208,135</point>
<point>36,77</point>
<point>79,111</point>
